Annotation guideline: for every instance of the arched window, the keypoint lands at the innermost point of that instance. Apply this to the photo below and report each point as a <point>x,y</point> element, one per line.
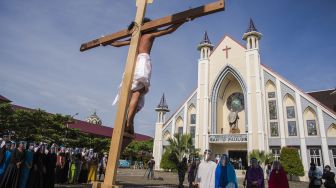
<point>166,135</point>
<point>311,123</point>
<point>179,125</point>
<point>191,125</point>
<point>290,115</point>
<point>272,109</point>
<point>331,130</point>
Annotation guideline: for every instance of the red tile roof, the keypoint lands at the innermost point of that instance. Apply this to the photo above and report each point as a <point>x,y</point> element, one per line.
<point>4,99</point>
<point>101,130</point>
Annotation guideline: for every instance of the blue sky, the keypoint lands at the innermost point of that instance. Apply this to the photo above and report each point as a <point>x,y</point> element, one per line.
<point>41,66</point>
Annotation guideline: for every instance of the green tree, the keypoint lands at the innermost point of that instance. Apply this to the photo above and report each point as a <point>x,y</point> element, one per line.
<point>291,162</point>
<point>180,147</point>
<point>138,150</point>
<point>168,161</point>
<point>259,155</point>
<point>40,126</point>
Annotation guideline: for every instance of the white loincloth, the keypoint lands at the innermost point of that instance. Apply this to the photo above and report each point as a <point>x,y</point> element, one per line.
<point>141,78</point>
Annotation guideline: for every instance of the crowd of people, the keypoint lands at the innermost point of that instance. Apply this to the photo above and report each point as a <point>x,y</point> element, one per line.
<point>220,173</point>
<point>40,166</point>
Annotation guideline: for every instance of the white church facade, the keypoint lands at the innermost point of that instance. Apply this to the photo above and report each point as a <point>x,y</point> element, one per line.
<point>241,105</point>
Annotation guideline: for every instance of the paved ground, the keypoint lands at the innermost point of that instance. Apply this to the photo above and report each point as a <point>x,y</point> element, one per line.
<point>135,178</point>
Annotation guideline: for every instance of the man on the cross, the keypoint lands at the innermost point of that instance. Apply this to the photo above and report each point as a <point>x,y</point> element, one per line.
<point>143,68</point>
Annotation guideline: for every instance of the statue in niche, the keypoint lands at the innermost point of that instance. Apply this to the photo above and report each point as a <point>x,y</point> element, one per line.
<point>233,121</point>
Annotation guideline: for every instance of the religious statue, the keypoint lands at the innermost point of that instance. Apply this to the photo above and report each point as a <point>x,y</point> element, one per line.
<point>233,121</point>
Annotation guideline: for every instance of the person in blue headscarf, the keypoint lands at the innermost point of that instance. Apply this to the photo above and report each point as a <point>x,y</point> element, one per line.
<point>225,174</point>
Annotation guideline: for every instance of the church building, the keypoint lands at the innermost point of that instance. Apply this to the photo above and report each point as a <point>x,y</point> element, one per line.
<point>241,105</point>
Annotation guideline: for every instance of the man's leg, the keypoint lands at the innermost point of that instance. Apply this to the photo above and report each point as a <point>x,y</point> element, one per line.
<point>132,110</point>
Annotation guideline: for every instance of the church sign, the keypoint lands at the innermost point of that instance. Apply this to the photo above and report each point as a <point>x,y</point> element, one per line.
<point>223,138</point>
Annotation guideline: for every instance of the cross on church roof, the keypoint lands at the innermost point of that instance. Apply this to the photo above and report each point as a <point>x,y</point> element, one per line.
<point>226,49</point>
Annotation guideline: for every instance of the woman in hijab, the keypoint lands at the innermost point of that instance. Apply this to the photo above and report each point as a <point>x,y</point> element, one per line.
<point>225,176</point>
<point>11,178</point>
<point>278,177</point>
<point>27,165</point>
<point>255,175</point>
<point>5,156</point>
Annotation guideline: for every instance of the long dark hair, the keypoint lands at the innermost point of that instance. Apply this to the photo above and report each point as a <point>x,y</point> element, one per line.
<point>132,24</point>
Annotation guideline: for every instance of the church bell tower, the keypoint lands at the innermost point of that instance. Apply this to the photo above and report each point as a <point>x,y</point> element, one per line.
<point>202,115</point>
<point>255,113</point>
<point>161,109</point>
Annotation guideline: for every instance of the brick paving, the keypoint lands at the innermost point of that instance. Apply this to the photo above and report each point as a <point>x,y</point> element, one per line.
<point>130,178</point>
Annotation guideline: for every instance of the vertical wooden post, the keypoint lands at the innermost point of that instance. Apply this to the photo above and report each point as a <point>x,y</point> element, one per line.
<point>118,131</point>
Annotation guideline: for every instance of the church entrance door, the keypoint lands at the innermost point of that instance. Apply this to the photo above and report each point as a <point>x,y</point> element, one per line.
<point>235,157</point>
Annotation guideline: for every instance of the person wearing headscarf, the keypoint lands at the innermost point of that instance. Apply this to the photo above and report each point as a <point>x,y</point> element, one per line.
<point>28,163</point>
<point>205,177</point>
<point>192,172</point>
<point>255,175</point>
<point>38,171</point>
<point>278,177</point>
<point>72,169</point>
<point>225,174</point>
<point>60,164</point>
<point>83,175</point>
<point>329,177</point>
<point>11,178</point>
<point>51,159</point>
<point>5,156</point>
<point>93,165</point>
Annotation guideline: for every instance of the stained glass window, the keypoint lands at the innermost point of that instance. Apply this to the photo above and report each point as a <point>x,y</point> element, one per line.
<point>193,119</point>
<point>272,109</point>
<point>311,127</point>
<point>235,102</point>
<point>292,128</point>
<point>290,112</point>
<point>274,129</point>
<point>271,95</point>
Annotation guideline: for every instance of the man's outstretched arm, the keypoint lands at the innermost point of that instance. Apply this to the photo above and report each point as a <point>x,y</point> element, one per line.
<point>120,43</point>
<point>166,31</point>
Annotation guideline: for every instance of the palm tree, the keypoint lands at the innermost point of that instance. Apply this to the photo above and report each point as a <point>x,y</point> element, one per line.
<point>180,147</point>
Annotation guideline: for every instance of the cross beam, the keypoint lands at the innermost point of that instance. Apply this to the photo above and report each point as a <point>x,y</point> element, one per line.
<point>158,23</point>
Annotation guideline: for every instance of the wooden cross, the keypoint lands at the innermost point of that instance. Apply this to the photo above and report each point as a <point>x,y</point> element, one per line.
<point>226,49</point>
<point>120,139</point>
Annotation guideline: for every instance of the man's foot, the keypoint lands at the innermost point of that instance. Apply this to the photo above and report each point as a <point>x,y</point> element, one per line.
<point>129,128</point>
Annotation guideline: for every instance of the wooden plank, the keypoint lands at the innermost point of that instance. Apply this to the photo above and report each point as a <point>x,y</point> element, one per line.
<point>161,22</point>
<point>118,131</point>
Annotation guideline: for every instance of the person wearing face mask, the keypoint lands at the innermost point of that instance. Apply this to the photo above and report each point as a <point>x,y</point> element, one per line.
<point>205,177</point>
<point>5,156</point>
<point>278,177</point>
<point>28,163</point>
<point>255,175</point>
<point>102,166</point>
<point>329,177</point>
<point>51,160</point>
<point>315,176</point>
<point>11,178</point>
<point>38,171</point>
<point>225,174</point>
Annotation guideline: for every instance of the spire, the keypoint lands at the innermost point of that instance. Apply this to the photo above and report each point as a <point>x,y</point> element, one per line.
<point>205,42</point>
<point>251,27</point>
<point>205,39</point>
<point>252,31</point>
<point>162,105</point>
